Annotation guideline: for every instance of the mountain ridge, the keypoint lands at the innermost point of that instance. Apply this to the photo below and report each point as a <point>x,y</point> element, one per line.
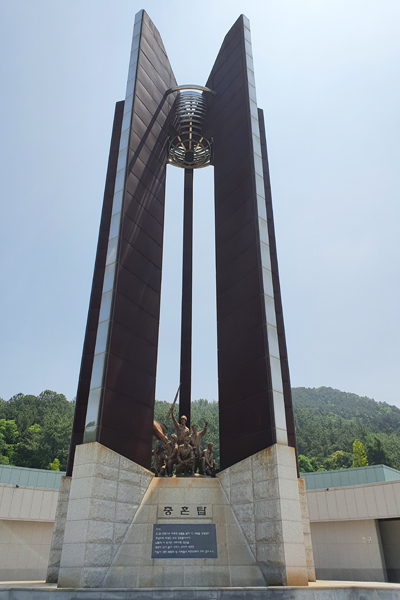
<point>34,430</point>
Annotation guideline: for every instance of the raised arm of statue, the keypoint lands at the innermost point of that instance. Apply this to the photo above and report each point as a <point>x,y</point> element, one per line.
<point>175,422</point>
<point>158,432</point>
<point>204,430</point>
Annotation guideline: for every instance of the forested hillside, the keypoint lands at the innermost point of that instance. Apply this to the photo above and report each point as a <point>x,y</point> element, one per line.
<point>35,430</point>
<point>328,421</point>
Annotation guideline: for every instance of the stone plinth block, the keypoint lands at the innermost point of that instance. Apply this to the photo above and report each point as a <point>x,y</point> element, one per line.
<point>306,530</point>
<point>106,490</point>
<point>235,564</point>
<point>58,530</point>
<point>270,506</point>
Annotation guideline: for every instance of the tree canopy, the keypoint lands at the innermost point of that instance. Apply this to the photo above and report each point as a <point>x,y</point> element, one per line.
<point>35,430</point>
<point>328,422</point>
<point>41,429</point>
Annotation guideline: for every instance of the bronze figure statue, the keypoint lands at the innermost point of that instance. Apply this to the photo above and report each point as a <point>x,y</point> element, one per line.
<point>195,439</point>
<point>207,462</point>
<point>159,459</point>
<point>170,450</point>
<point>185,463</point>
<point>172,454</point>
<point>182,451</point>
<point>181,430</point>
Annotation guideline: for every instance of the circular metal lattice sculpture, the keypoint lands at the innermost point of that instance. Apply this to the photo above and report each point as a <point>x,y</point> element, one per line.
<point>189,149</point>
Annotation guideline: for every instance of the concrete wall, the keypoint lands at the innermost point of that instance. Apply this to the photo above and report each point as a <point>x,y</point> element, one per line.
<point>24,550</point>
<point>348,551</point>
<point>26,526</point>
<point>349,477</point>
<point>345,537</point>
<point>340,519</point>
<point>370,501</point>
<point>23,476</point>
<point>27,504</point>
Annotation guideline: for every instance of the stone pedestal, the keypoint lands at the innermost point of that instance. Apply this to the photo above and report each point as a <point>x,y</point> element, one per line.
<point>263,491</point>
<point>58,530</point>
<point>255,507</point>
<point>306,530</point>
<point>234,566</point>
<point>106,491</point>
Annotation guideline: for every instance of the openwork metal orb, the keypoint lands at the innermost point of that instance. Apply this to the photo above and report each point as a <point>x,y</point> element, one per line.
<point>189,149</point>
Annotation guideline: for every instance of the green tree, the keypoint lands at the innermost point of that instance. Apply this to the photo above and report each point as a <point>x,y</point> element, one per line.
<point>359,455</point>
<point>56,433</point>
<point>28,450</point>
<point>203,410</point>
<point>3,405</point>
<point>22,409</point>
<point>384,448</point>
<point>8,436</point>
<point>327,422</point>
<point>53,414</point>
<point>375,451</point>
<point>55,465</point>
<point>316,464</point>
<point>305,465</point>
<point>339,460</point>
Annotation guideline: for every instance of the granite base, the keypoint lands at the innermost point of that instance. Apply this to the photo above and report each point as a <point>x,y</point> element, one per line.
<point>258,511</point>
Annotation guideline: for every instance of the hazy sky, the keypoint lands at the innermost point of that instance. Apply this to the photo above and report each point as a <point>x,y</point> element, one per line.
<point>327,76</point>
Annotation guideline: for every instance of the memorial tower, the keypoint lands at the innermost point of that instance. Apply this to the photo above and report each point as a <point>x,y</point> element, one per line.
<point>189,126</point>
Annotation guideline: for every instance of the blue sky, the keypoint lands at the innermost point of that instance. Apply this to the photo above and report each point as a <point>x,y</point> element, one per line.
<point>327,79</point>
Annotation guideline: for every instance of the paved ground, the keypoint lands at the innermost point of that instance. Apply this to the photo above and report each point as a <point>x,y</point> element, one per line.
<point>314,584</point>
<point>358,584</point>
<point>321,590</point>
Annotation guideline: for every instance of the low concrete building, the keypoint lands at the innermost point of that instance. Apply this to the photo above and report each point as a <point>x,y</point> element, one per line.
<point>354,515</point>
<point>28,500</point>
<point>355,523</point>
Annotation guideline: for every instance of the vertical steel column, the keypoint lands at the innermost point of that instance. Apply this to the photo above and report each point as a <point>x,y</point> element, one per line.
<point>187,277</point>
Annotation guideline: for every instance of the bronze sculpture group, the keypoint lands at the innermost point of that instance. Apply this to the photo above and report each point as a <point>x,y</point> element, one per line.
<point>182,451</point>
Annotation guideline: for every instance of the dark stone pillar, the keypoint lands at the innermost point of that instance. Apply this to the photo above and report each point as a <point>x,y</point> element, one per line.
<point>187,292</point>
<point>118,375</point>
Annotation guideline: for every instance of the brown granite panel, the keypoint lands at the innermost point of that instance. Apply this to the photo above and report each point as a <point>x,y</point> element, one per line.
<point>95,296</point>
<point>243,367</point>
<point>125,413</point>
<point>128,405</point>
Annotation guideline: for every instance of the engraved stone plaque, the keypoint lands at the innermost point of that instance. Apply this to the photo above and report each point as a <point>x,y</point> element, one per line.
<point>184,541</point>
<point>188,511</point>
